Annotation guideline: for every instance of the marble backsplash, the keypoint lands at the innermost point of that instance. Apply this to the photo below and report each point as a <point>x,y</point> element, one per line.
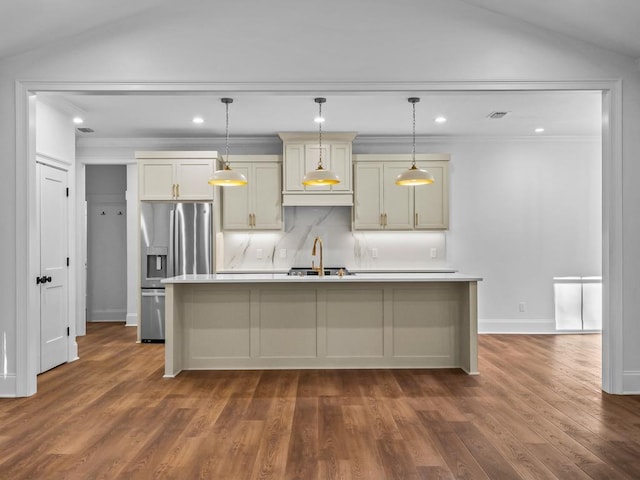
<point>356,250</point>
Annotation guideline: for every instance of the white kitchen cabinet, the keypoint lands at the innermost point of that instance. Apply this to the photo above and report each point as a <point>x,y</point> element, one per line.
<point>258,205</point>
<point>175,176</point>
<point>432,202</point>
<point>380,204</point>
<point>301,154</point>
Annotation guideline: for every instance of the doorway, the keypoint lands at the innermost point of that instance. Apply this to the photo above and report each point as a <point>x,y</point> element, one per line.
<point>612,371</point>
<point>105,191</point>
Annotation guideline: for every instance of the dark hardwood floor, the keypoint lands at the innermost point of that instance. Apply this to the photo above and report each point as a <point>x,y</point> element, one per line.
<point>536,411</point>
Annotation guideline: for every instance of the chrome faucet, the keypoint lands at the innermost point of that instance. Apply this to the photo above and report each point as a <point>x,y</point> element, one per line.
<point>319,268</point>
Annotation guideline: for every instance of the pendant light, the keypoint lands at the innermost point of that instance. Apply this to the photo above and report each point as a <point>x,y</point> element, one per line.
<point>414,175</point>
<point>227,177</point>
<point>320,176</point>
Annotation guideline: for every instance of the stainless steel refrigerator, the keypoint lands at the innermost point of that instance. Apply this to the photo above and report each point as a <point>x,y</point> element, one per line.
<point>176,239</point>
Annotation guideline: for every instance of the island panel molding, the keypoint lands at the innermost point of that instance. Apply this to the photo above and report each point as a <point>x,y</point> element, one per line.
<point>274,321</point>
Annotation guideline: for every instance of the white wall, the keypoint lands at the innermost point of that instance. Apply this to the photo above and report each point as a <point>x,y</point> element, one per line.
<point>523,213</point>
<point>55,137</point>
<point>133,227</point>
<point>286,41</point>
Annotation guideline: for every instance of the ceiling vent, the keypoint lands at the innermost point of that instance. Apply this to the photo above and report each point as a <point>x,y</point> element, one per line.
<point>497,115</point>
<point>86,130</point>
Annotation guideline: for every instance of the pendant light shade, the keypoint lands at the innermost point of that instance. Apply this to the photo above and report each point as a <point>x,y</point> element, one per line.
<point>414,175</point>
<point>227,177</point>
<point>320,176</point>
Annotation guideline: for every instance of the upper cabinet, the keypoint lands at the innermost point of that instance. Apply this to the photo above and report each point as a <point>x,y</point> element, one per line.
<point>258,205</point>
<point>380,204</point>
<point>301,152</point>
<point>175,176</point>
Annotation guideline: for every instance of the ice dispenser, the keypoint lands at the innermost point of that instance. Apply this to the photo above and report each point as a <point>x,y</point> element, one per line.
<point>157,263</point>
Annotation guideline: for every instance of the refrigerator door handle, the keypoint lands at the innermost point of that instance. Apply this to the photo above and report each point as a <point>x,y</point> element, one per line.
<point>171,257</point>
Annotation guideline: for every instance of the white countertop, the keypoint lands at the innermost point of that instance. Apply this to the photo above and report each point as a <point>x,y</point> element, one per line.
<point>357,278</point>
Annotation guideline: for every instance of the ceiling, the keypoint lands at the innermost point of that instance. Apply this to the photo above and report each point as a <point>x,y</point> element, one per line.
<point>612,25</point>
<point>30,24</point>
<point>389,114</point>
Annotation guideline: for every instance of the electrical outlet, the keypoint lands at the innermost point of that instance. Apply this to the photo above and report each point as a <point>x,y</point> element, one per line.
<point>283,253</point>
<point>522,307</point>
<point>434,253</point>
<point>259,253</point>
<point>374,253</point>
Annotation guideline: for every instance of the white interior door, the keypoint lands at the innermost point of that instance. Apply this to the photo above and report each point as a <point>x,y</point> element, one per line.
<point>53,280</point>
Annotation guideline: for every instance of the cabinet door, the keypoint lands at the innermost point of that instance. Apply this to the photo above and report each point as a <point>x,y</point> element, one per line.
<point>192,177</point>
<point>397,200</point>
<point>341,165</point>
<point>432,201</point>
<point>156,179</point>
<point>294,165</point>
<point>236,202</point>
<point>367,204</point>
<point>311,158</point>
<point>267,196</point>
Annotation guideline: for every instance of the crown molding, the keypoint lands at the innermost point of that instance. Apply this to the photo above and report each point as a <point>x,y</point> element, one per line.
<point>405,139</point>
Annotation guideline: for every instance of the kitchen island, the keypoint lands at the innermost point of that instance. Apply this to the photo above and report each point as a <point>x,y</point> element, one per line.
<point>277,321</point>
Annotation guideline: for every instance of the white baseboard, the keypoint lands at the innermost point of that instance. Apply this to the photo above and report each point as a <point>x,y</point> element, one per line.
<point>132,320</point>
<point>8,386</point>
<point>542,325</point>
<point>631,382</point>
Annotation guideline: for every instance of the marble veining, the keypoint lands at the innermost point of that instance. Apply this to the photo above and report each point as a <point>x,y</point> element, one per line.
<point>342,246</point>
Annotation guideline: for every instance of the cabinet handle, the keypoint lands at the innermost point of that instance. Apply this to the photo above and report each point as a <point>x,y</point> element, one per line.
<point>173,190</point>
<point>252,219</point>
<point>382,220</point>
<point>415,221</point>
<point>385,219</point>
<point>177,190</point>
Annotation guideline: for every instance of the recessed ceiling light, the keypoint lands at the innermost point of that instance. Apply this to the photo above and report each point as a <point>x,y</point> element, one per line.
<point>539,130</point>
<point>78,120</point>
<point>198,120</point>
<point>440,119</point>
<point>318,119</point>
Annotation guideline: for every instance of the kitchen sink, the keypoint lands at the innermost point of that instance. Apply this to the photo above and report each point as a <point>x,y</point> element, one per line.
<point>328,271</point>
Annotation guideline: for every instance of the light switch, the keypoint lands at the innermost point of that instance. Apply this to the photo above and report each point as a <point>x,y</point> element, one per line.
<point>283,253</point>
<point>259,253</point>
<point>374,253</point>
<point>434,253</point>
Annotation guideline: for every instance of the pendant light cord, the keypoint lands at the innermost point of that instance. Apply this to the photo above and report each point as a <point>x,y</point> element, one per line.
<point>226,143</point>
<point>413,151</point>
<point>320,133</point>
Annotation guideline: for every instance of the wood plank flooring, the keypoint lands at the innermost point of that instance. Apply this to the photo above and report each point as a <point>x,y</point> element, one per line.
<point>536,411</point>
